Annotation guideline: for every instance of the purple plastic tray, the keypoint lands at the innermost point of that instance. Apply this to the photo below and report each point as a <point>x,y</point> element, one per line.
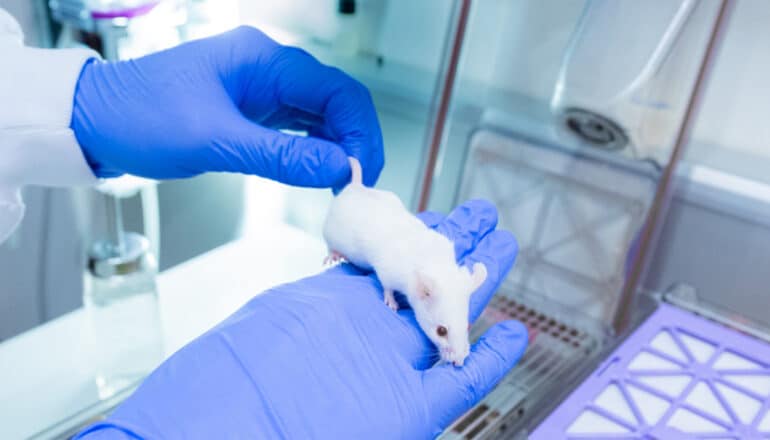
<point>678,376</point>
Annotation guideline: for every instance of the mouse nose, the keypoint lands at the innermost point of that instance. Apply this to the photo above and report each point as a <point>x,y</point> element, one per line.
<point>447,354</point>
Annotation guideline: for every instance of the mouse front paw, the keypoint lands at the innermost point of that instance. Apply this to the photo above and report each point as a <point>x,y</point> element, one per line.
<point>390,299</point>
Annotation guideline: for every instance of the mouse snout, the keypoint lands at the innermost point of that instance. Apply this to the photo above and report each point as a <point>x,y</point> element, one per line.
<point>458,359</point>
<point>451,355</point>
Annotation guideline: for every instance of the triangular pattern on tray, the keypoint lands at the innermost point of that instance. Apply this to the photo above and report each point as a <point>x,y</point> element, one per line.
<point>667,389</point>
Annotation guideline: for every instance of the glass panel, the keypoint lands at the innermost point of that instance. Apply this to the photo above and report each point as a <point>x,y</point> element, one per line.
<point>731,132</point>
<point>716,241</point>
<point>565,116</point>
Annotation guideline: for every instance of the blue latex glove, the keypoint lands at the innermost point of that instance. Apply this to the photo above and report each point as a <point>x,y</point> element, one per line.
<point>215,104</point>
<point>325,358</point>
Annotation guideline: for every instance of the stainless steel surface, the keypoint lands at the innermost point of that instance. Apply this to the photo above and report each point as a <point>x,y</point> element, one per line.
<point>660,203</point>
<point>445,88</point>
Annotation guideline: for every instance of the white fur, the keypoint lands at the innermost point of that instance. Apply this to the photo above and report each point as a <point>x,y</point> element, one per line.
<point>372,229</point>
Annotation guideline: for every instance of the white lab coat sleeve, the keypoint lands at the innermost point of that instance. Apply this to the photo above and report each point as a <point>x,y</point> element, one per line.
<point>37,147</point>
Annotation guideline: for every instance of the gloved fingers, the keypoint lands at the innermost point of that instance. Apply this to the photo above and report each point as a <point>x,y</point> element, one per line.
<point>345,104</point>
<point>248,148</point>
<point>451,390</point>
<point>467,224</point>
<point>416,348</point>
<point>497,252</point>
<point>431,218</point>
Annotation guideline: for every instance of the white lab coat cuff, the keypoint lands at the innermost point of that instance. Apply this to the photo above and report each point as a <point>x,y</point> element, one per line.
<point>38,90</point>
<point>38,85</point>
<point>43,156</point>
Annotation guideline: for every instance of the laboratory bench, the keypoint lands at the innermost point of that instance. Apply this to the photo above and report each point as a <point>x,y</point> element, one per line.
<point>48,388</point>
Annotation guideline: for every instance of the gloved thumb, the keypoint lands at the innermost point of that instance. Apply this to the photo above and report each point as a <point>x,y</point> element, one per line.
<point>249,148</point>
<point>453,390</point>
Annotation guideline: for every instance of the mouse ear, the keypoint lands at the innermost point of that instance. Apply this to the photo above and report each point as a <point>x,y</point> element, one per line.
<point>424,285</point>
<point>478,276</point>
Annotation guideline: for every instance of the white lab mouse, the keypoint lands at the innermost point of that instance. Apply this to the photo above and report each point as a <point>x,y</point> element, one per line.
<point>372,229</point>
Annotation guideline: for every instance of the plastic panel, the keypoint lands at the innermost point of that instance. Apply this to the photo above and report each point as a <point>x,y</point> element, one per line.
<point>678,376</point>
<point>574,216</point>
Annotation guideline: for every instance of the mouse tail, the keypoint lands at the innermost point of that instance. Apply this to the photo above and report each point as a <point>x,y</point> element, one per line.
<point>355,171</point>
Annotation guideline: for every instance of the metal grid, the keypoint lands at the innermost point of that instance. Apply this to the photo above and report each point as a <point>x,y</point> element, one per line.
<point>556,348</point>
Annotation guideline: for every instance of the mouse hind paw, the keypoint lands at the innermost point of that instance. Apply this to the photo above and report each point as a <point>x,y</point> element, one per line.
<point>334,257</point>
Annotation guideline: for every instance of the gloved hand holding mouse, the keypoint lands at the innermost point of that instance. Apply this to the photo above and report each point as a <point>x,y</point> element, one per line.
<point>324,357</point>
<point>215,104</point>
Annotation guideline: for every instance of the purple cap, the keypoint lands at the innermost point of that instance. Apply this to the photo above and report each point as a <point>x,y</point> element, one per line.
<point>129,12</point>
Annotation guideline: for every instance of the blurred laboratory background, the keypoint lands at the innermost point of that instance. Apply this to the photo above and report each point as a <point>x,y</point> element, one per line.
<point>563,113</point>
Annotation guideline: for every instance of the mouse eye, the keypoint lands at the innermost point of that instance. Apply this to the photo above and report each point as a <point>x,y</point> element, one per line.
<point>441,331</point>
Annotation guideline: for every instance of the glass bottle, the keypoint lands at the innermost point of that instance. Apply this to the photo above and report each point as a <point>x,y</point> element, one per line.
<point>121,304</point>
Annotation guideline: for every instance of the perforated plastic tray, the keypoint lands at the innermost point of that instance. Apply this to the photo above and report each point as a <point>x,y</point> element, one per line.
<point>574,216</point>
<point>678,376</point>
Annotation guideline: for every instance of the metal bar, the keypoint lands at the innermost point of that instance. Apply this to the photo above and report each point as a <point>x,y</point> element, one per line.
<point>662,198</point>
<point>115,228</point>
<point>450,63</point>
<point>43,21</point>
